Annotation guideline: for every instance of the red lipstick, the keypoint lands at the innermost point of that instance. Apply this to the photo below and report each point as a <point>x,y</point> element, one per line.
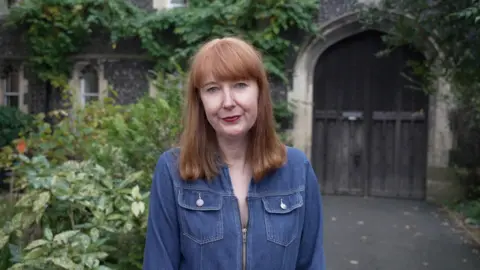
<point>231,119</point>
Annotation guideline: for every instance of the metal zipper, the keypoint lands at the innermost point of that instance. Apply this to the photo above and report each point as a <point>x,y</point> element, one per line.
<point>244,250</point>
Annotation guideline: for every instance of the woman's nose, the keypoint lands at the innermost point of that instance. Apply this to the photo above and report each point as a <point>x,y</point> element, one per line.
<point>228,101</point>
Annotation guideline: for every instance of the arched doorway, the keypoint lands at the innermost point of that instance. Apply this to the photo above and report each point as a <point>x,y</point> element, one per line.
<point>369,132</point>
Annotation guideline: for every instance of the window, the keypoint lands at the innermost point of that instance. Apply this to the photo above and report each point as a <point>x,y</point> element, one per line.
<point>88,83</point>
<point>89,88</point>
<point>5,5</point>
<point>176,3</point>
<point>163,4</point>
<point>10,88</point>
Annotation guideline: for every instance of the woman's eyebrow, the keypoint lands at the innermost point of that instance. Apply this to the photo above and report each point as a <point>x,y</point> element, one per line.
<point>207,84</point>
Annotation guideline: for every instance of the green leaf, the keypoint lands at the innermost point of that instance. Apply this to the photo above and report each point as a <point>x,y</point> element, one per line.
<point>131,178</point>
<point>35,253</point>
<point>94,234</point>
<point>48,234</point>
<point>3,239</point>
<point>138,208</point>
<point>107,182</point>
<point>41,201</point>
<point>64,262</point>
<point>36,243</point>
<point>63,237</point>
<point>27,199</point>
<point>17,266</point>
<point>17,221</point>
<point>102,267</point>
<point>115,217</point>
<point>136,193</point>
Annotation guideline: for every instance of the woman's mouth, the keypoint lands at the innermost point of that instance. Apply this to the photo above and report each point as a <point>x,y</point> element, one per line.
<point>231,119</point>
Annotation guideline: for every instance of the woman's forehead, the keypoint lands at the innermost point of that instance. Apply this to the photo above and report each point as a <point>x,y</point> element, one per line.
<point>225,62</point>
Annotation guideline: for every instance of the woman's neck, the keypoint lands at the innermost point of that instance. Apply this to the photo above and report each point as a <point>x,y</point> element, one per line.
<point>234,150</point>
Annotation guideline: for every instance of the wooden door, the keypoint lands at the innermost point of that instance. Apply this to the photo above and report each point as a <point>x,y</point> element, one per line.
<point>398,145</point>
<point>369,130</point>
<point>339,148</point>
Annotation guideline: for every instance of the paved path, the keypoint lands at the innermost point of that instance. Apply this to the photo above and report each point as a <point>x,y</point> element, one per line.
<point>386,234</point>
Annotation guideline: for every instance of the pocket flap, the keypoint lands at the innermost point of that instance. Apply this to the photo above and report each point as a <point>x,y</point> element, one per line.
<point>199,200</point>
<point>282,204</point>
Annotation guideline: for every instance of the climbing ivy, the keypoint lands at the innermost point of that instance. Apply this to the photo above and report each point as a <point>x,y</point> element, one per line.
<point>58,29</point>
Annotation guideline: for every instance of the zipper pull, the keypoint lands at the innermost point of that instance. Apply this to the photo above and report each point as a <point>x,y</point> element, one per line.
<point>244,232</point>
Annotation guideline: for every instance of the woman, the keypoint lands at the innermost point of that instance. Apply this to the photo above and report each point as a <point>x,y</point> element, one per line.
<point>232,196</point>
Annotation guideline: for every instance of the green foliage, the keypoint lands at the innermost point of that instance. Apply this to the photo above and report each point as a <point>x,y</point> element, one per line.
<point>12,123</point>
<point>132,129</point>
<point>450,25</point>
<point>7,212</point>
<point>81,206</point>
<point>472,210</point>
<point>57,29</point>
<point>85,183</point>
<point>283,114</point>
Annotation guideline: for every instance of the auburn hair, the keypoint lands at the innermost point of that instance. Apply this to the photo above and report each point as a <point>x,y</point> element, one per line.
<point>227,59</point>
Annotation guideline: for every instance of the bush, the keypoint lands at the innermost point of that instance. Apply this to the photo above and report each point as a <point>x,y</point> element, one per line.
<point>85,183</point>
<point>7,212</point>
<point>12,123</point>
<point>82,208</point>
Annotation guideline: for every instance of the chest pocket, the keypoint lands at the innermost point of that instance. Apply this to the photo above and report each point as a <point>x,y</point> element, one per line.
<point>201,217</point>
<point>282,217</point>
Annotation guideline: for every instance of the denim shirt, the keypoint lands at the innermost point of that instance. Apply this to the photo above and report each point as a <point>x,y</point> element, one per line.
<point>196,225</point>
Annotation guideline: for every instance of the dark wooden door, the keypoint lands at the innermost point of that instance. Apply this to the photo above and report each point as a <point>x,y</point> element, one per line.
<point>369,130</point>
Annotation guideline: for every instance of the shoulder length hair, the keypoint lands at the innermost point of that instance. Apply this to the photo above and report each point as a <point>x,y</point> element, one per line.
<point>227,59</point>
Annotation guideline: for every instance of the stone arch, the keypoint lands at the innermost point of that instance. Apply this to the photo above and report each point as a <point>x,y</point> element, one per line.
<point>301,94</point>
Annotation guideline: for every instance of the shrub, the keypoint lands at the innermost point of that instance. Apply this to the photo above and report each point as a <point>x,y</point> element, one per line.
<point>82,208</point>
<point>85,183</point>
<point>12,123</point>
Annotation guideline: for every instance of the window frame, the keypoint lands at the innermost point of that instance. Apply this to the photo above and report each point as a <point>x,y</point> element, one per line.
<point>170,4</point>
<point>22,86</point>
<point>11,75</point>
<point>76,85</point>
<point>83,94</point>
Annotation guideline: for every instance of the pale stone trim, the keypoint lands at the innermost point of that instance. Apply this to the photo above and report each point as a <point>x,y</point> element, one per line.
<point>23,86</point>
<point>152,90</point>
<point>3,8</point>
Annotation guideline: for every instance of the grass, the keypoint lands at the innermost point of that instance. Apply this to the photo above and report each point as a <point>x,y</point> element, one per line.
<point>471,210</point>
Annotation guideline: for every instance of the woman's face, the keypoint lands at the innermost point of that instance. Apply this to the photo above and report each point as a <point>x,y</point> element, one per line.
<point>230,106</point>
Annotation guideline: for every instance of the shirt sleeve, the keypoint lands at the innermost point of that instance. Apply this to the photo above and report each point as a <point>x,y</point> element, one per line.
<point>162,247</point>
<point>311,255</point>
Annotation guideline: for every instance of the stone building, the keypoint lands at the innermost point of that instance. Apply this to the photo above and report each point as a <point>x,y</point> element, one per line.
<point>98,65</point>
<point>364,130</point>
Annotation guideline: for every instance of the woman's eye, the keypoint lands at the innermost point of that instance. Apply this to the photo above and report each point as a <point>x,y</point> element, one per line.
<point>240,85</point>
<point>211,89</point>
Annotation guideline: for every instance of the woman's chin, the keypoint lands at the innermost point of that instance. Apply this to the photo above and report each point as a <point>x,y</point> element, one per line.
<point>234,134</point>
